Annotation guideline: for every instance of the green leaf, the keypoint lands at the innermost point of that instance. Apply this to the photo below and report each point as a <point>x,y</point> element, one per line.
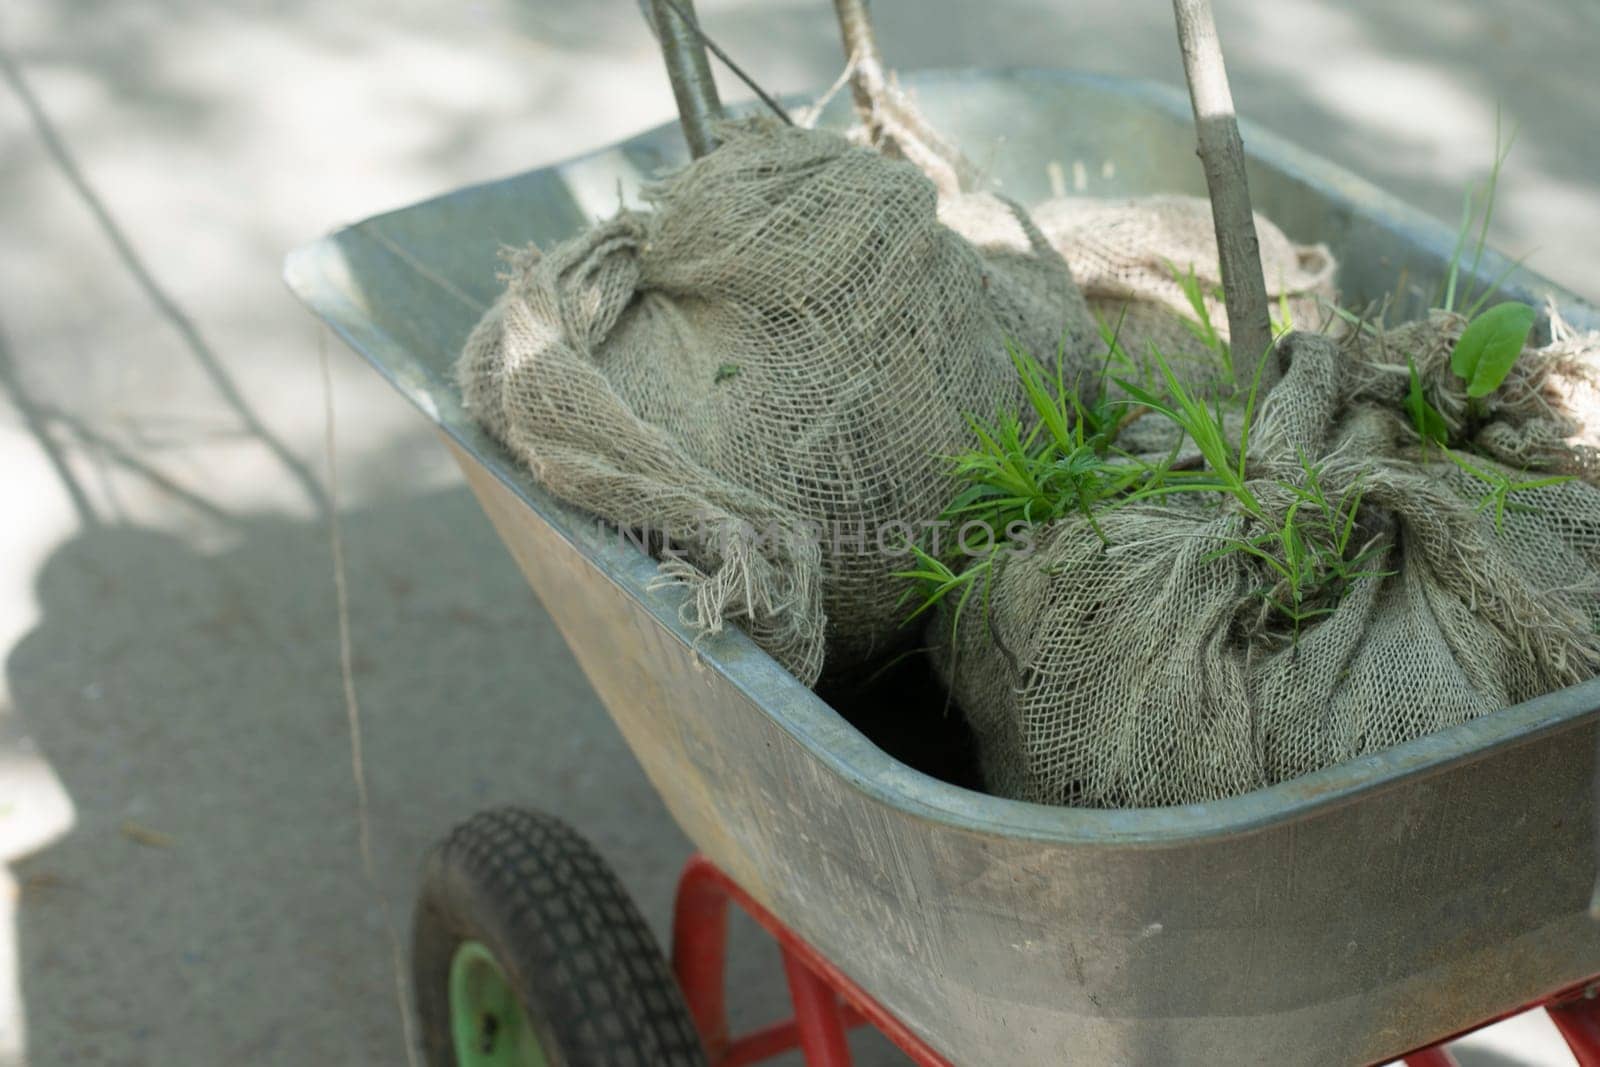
<point>1430,425</point>
<point>1490,345</point>
<point>1035,386</point>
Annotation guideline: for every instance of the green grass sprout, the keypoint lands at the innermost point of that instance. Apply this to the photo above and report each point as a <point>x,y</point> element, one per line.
<point>1284,321</point>
<point>1312,552</point>
<point>939,581</point>
<point>1064,462</point>
<point>1201,326</point>
<point>1205,426</point>
<point>1425,418</point>
<point>1500,487</point>
<point>1468,213</point>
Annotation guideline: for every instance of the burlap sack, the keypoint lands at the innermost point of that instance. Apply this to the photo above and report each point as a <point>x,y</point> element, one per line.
<point>1123,252</point>
<point>1545,417</point>
<point>786,344</point>
<point>1152,672</point>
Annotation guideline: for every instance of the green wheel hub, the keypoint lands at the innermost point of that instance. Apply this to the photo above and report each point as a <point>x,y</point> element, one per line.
<point>487,1023</point>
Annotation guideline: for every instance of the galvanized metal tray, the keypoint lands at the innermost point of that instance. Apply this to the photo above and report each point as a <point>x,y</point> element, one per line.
<point>1344,917</point>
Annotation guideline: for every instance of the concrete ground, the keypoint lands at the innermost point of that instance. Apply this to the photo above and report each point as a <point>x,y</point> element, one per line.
<point>182,882</point>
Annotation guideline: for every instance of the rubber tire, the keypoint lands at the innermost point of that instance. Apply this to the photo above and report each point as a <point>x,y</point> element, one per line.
<point>580,957</point>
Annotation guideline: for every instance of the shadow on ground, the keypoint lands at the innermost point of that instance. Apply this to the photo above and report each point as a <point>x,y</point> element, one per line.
<point>192,884</point>
<point>234,655</point>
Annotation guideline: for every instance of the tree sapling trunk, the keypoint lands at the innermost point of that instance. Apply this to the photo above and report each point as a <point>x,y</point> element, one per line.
<point>1222,155</point>
<point>689,70</point>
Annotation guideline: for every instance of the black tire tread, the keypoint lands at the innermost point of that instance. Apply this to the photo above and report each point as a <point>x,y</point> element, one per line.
<point>565,931</point>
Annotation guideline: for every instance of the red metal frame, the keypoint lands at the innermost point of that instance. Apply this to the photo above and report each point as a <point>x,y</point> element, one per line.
<point>827,1004</point>
<point>1578,1019</point>
<point>1574,1010</point>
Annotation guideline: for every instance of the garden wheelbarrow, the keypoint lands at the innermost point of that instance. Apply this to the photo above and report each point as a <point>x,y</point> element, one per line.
<point>1351,916</point>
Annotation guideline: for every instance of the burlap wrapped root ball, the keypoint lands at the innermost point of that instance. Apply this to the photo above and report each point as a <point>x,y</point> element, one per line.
<point>1123,253</point>
<point>1153,671</point>
<point>766,371</point>
<point>1544,417</point>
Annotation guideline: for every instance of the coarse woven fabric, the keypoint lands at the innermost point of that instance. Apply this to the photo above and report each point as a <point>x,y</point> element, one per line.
<point>1123,253</point>
<point>767,371</point>
<point>1152,671</point>
<point>1545,416</point>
